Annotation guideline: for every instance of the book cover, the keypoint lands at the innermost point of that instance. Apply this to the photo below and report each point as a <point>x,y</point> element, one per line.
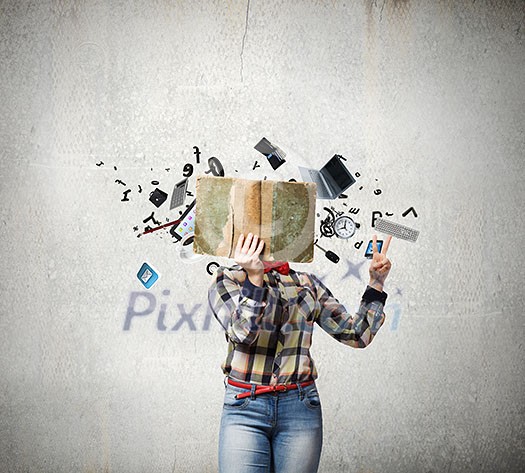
<point>282,214</point>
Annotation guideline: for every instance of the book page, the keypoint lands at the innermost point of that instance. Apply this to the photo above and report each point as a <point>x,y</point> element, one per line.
<point>213,219</point>
<point>293,219</point>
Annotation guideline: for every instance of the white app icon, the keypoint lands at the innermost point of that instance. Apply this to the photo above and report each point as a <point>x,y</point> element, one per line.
<point>146,275</point>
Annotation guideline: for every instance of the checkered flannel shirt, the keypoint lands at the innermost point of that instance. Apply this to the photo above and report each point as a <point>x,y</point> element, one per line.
<point>269,329</point>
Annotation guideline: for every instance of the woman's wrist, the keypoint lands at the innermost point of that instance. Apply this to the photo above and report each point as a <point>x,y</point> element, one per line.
<point>256,277</point>
<point>378,285</point>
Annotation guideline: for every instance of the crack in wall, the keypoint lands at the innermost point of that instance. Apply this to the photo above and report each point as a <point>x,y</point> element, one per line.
<point>381,13</point>
<point>244,37</point>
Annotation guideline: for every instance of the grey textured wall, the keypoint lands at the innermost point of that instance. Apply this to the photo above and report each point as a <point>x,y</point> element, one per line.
<point>426,101</point>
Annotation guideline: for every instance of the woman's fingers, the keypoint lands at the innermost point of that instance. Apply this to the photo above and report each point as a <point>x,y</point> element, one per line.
<point>385,246</point>
<point>239,243</point>
<point>380,265</point>
<point>259,248</point>
<point>247,243</point>
<point>249,247</point>
<point>253,246</point>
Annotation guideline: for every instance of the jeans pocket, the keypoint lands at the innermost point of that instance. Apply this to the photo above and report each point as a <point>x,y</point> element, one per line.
<point>231,402</point>
<point>311,399</point>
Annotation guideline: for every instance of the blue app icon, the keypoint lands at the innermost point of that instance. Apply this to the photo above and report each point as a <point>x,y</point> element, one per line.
<point>147,275</point>
<point>370,248</point>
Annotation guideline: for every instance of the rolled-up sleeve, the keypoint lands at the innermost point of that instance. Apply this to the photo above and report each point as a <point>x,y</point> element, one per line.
<point>238,307</point>
<point>356,330</point>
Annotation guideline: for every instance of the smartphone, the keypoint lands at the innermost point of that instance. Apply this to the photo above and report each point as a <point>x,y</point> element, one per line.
<point>370,248</point>
<point>275,160</point>
<point>186,224</point>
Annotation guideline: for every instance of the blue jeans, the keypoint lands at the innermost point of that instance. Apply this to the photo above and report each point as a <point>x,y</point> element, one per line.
<point>280,432</point>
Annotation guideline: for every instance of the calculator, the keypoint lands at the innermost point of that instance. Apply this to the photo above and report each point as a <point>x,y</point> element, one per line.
<point>186,224</point>
<point>179,194</point>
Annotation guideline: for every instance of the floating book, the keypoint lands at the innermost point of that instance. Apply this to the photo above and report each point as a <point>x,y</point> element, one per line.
<point>281,213</point>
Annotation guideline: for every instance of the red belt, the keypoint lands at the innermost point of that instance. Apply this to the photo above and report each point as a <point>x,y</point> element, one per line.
<point>262,389</point>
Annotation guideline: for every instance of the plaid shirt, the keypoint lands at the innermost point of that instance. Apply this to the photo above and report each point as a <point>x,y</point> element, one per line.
<point>269,329</point>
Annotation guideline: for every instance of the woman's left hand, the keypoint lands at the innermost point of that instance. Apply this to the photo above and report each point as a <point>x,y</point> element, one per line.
<point>380,265</point>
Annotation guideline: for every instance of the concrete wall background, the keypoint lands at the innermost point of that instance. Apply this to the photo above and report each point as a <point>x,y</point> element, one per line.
<point>426,97</point>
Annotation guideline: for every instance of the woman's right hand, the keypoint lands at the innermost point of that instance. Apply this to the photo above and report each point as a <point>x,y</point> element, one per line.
<point>247,254</point>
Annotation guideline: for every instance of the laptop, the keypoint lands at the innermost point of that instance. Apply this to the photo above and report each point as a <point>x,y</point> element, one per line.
<point>332,180</point>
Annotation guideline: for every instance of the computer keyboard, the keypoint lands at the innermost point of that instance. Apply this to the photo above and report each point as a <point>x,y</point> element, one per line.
<point>397,230</point>
<point>316,176</point>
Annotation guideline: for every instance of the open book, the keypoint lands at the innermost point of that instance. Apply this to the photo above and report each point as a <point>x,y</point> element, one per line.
<point>281,213</point>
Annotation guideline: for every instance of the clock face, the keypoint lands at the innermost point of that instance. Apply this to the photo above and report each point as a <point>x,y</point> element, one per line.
<point>344,227</point>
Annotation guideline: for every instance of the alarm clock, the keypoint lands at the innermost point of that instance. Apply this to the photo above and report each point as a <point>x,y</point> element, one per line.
<point>345,227</point>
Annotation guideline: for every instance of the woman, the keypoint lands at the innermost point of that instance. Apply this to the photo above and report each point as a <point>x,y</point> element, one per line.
<point>271,419</point>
